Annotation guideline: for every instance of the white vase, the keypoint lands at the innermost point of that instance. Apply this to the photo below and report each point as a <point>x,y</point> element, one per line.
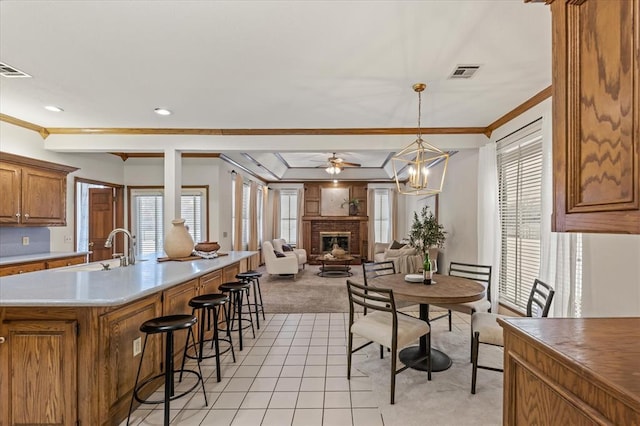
<point>178,242</point>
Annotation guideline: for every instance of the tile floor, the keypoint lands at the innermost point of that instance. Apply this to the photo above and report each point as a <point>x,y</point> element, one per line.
<point>292,373</point>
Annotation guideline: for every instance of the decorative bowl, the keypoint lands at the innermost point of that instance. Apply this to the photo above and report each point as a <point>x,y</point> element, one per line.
<point>207,246</point>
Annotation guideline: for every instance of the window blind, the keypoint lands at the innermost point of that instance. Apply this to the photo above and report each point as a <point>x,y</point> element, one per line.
<point>520,200</point>
<point>148,218</point>
<point>245,215</point>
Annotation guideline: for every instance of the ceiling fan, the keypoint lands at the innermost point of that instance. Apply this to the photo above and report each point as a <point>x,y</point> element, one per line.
<point>336,164</point>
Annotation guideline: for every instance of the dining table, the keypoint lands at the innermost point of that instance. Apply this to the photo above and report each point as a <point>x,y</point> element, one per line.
<point>444,289</point>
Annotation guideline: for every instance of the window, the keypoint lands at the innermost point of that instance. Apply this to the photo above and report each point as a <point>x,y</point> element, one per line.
<point>289,215</point>
<point>147,218</point>
<point>381,216</point>
<point>520,201</point>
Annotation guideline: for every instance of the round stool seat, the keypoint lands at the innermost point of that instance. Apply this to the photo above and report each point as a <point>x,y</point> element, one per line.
<point>208,300</point>
<point>235,286</point>
<point>168,323</point>
<point>249,274</point>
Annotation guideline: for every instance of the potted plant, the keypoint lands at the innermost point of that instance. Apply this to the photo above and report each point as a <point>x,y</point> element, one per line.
<point>426,232</point>
<point>353,206</point>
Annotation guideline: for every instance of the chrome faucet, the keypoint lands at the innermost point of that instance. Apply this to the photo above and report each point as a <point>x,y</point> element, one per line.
<point>131,259</point>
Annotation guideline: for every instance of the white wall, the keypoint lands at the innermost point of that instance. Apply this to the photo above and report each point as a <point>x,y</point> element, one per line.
<point>101,167</point>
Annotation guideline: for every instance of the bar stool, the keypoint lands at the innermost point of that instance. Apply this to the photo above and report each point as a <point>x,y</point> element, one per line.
<point>167,324</point>
<point>209,305</point>
<point>253,277</point>
<point>237,291</point>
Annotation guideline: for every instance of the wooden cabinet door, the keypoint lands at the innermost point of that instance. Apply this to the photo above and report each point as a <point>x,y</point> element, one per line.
<point>38,373</point>
<point>230,272</point>
<point>21,268</point>
<point>176,301</point>
<point>67,261</point>
<point>596,115</point>
<point>120,331</point>
<point>10,190</point>
<point>210,282</point>
<point>43,197</point>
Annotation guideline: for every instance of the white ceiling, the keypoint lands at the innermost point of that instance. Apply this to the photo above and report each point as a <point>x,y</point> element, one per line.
<point>273,64</point>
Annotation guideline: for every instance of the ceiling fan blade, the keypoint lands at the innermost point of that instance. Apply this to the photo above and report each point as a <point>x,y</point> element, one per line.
<point>346,163</point>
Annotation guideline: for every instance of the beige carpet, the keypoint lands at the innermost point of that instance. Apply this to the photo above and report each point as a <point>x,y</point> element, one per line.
<point>308,293</point>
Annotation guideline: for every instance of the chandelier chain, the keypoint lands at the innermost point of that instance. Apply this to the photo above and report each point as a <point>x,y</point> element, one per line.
<point>419,116</point>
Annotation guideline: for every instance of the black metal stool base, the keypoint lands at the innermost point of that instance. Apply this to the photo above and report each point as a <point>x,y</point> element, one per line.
<point>162,376</point>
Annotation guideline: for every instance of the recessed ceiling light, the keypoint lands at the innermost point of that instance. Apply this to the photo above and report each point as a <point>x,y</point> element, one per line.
<point>53,108</point>
<point>162,111</point>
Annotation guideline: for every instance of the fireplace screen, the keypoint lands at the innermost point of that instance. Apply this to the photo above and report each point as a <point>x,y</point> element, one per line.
<point>329,239</point>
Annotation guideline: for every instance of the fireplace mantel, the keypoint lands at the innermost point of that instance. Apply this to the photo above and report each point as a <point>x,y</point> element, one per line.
<point>336,218</point>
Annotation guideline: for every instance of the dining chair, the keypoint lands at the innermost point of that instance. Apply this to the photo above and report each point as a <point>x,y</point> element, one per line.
<point>478,273</point>
<point>383,326</point>
<point>485,328</point>
<point>371,270</point>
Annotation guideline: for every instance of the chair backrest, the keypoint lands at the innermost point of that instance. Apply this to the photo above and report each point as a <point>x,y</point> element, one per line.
<point>540,299</point>
<point>375,269</point>
<point>479,273</point>
<point>267,251</point>
<point>381,300</point>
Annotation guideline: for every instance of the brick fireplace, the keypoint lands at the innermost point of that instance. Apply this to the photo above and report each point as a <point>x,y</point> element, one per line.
<point>352,229</point>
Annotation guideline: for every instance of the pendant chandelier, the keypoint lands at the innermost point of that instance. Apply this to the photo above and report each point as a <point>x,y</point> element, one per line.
<point>412,165</point>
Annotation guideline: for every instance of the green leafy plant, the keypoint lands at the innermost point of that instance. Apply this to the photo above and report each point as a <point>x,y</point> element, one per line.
<point>351,202</point>
<point>426,232</point>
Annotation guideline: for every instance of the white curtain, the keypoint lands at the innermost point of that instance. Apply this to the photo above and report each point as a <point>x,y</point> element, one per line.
<point>253,224</point>
<point>558,250</point>
<point>371,194</point>
<point>237,226</point>
<point>393,215</point>
<point>489,239</point>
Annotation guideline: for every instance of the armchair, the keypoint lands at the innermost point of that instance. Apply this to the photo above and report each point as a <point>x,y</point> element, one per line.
<point>300,254</point>
<point>286,265</point>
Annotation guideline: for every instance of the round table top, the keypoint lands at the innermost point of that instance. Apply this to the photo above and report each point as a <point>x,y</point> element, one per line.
<point>447,289</point>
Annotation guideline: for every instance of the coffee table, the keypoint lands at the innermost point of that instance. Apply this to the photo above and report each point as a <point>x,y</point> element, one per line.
<point>335,267</point>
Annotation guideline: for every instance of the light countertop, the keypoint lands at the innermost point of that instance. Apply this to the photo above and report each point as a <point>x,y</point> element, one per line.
<point>76,286</point>
<point>8,260</point>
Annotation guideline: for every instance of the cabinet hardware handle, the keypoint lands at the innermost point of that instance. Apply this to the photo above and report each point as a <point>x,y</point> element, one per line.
<point>21,272</point>
<point>2,340</point>
<point>17,214</point>
<point>26,216</point>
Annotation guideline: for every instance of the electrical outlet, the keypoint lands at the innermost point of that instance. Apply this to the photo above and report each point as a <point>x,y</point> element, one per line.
<point>25,241</point>
<point>224,234</point>
<point>137,346</point>
<point>68,239</point>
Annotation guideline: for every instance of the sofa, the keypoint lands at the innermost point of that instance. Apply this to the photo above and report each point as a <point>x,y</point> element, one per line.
<point>300,254</point>
<point>405,258</point>
<point>275,265</point>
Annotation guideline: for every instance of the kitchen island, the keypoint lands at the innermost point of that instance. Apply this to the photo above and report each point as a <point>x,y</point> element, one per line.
<point>70,336</point>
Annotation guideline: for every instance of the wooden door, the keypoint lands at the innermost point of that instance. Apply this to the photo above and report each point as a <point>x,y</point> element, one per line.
<point>10,190</point>
<point>41,392</point>
<point>101,222</point>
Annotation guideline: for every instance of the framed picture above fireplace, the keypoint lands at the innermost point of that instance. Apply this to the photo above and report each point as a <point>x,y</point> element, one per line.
<point>332,201</point>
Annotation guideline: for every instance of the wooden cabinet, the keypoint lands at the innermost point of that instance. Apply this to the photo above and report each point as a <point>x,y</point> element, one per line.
<point>119,330</point>
<point>176,301</point>
<point>571,371</point>
<point>67,261</point>
<point>33,192</point>
<point>21,268</point>
<point>210,282</point>
<point>38,377</point>
<point>596,115</point>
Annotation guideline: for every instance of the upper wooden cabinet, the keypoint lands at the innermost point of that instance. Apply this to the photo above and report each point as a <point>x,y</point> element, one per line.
<point>34,192</point>
<point>596,115</point>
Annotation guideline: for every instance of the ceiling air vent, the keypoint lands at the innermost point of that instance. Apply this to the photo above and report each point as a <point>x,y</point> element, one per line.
<point>11,72</point>
<point>464,71</point>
